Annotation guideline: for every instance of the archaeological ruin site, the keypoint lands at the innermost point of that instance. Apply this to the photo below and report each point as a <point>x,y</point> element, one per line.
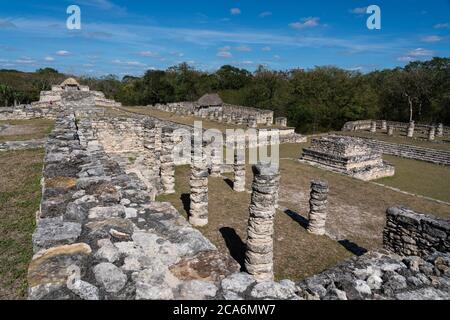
<point>121,217</point>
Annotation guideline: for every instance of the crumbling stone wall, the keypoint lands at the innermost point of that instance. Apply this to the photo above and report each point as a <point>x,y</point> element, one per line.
<point>411,233</point>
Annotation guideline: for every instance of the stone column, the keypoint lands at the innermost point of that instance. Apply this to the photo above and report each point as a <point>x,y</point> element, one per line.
<point>259,253</point>
<point>390,130</point>
<point>167,171</point>
<point>252,122</point>
<point>411,128</point>
<point>198,215</point>
<point>216,165</point>
<point>440,130</point>
<point>239,173</point>
<point>432,133</point>
<point>373,127</point>
<point>384,125</point>
<point>318,207</point>
<point>282,122</point>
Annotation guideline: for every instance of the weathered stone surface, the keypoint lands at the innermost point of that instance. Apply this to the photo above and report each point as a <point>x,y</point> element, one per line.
<point>280,291</point>
<point>54,232</point>
<point>49,270</point>
<point>210,266</point>
<point>151,285</point>
<point>110,277</point>
<point>196,290</point>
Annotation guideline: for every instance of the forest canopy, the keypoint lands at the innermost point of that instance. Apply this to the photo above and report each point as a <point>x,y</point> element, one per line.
<point>314,100</point>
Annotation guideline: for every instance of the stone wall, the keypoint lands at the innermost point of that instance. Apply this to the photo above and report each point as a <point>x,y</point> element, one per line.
<point>436,156</point>
<point>410,233</point>
<point>421,129</point>
<point>27,112</point>
<point>225,113</point>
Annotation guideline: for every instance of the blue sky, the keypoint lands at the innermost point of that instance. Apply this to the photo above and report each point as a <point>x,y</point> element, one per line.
<point>129,37</point>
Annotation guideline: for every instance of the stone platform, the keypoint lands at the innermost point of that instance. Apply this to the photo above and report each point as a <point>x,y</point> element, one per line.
<point>348,156</point>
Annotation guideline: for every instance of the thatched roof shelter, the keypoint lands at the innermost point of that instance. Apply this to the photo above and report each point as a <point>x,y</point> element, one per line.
<point>211,99</point>
<point>70,82</point>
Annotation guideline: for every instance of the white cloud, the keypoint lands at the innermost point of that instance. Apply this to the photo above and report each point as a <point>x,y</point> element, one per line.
<point>432,39</point>
<point>416,54</point>
<point>361,10</point>
<point>224,54</point>
<point>442,26</point>
<point>25,60</point>
<point>62,53</point>
<point>405,59</point>
<point>243,48</point>
<point>226,48</point>
<point>266,49</point>
<point>128,63</point>
<point>149,54</point>
<point>265,14</point>
<point>309,22</point>
<point>420,52</point>
<point>235,11</point>
<point>49,59</point>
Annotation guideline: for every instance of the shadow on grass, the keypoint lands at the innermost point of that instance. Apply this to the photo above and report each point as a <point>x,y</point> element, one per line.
<point>302,221</point>
<point>353,247</point>
<point>235,245</point>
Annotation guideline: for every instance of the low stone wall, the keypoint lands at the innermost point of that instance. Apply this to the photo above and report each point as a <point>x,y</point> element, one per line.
<point>27,112</point>
<point>436,156</point>
<point>422,129</point>
<point>382,276</point>
<point>411,233</point>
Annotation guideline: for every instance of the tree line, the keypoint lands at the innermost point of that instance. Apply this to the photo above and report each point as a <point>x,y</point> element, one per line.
<point>314,100</point>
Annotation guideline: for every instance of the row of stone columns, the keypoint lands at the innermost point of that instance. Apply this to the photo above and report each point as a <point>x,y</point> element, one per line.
<point>432,132</point>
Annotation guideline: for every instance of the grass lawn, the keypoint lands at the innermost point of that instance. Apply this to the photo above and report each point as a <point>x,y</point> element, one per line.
<point>419,177</point>
<point>356,213</point>
<point>22,130</point>
<point>400,138</point>
<point>20,193</point>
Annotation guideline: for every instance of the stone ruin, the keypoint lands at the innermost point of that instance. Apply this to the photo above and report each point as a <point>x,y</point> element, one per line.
<point>347,155</point>
<point>410,129</point>
<point>102,236</point>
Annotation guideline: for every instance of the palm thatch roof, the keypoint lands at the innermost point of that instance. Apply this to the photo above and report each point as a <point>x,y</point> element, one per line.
<point>211,99</point>
<point>70,82</point>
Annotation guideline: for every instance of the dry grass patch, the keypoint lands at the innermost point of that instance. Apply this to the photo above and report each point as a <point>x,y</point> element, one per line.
<point>22,130</point>
<point>20,193</point>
